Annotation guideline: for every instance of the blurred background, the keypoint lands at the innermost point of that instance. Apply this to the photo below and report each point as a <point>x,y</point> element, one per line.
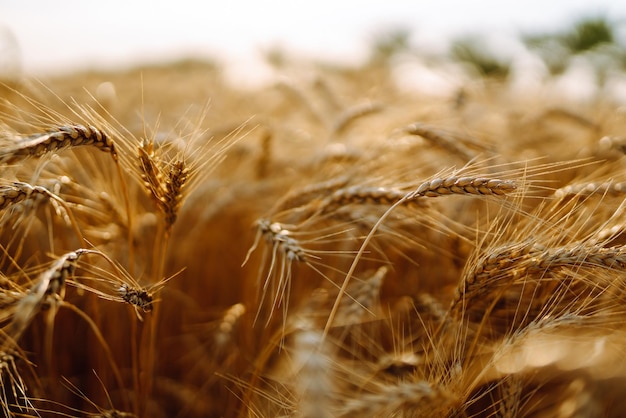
<point>578,45</point>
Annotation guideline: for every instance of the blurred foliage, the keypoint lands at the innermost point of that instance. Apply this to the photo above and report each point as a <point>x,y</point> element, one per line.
<point>594,38</point>
<point>475,52</point>
<point>589,34</point>
<point>388,44</point>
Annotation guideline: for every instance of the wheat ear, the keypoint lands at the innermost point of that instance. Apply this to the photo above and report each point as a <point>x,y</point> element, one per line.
<point>362,195</point>
<point>390,399</point>
<point>50,282</point>
<point>174,188</point>
<point>227,325</point>
<point>68,136</point>
<point>362,297</point>
<point>521,260</point>
<point>480,186</point>
<point>591,189</point>
<point>165,189</point>
<point>16,192</point>
<point>139,298</point>
<point>441,139</point>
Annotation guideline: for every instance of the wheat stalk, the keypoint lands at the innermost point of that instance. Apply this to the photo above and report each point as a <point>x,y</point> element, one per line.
<point>314,382</point>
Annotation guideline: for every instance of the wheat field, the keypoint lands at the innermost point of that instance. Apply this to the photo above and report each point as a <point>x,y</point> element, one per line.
<point>329,246</point>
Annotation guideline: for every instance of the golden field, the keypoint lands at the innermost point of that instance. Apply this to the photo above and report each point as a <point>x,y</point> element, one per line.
<point>329,245</point>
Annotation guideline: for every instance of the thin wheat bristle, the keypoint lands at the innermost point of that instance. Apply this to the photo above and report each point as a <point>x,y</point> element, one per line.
<point>13,392</point>
<point>63,137</point>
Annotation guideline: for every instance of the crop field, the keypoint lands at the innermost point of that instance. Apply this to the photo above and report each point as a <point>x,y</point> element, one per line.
<point>330,245</point>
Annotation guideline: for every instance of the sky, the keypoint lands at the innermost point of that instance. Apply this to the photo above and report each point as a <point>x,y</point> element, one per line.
<point>43,37</point>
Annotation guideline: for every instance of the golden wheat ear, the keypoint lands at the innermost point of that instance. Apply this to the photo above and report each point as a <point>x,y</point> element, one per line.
<point>49,285</point>
<point>64,137</point>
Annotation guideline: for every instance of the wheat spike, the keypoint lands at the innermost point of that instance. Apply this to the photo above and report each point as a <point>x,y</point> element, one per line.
<point>151,173</point>
<point>139,298</point>
<point>456,143</point>
<point>50,282</point>
<point>174,188</point>
<point>68,136</point>
<point>520,261</point>
<point>278,236</point>
<point>480,186</point>
<point>309,193</point>
<point>419,396</point>
<point>591,189</point>
<point>362,297</point>
<point>364,195</point>
<point>16,192</point>
<point>165,187</point>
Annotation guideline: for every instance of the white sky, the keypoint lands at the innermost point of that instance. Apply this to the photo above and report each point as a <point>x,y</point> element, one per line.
<point>59,35</point>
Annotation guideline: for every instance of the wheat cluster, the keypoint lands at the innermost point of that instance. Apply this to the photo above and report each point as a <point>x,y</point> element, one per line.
<point>316,248</point>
